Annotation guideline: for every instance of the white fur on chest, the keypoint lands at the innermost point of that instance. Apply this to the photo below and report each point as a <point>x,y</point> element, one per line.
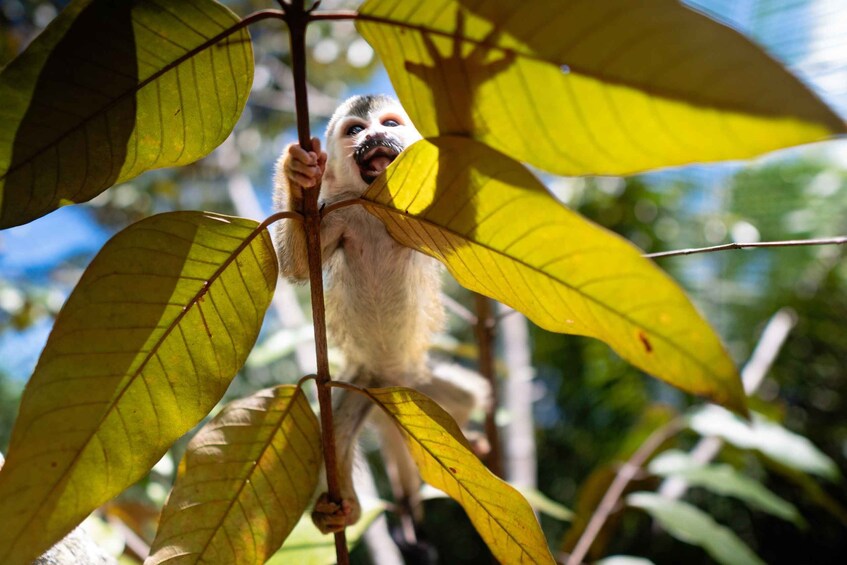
<point>383,300</point>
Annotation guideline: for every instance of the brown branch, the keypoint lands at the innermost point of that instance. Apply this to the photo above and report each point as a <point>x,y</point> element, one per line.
<point>839,240</point>
<point>625,474</point>
<point>485,338</point>
<point>297,18</point>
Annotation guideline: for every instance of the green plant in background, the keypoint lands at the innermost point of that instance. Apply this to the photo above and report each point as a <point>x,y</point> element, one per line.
<point>167,312</point>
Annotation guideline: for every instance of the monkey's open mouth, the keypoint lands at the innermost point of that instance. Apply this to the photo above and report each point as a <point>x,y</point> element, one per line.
<point>374,155</point>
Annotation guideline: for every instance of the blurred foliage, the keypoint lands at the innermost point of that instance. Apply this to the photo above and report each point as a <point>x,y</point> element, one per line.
<point>592,396</point>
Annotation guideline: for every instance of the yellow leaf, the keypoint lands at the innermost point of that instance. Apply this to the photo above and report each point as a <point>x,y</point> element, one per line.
<point>499,513</point>
<point>590,87</point>
<point>243,483</point>
<point>143,349</point>
<point>112,89</point>
<point>502,234</point>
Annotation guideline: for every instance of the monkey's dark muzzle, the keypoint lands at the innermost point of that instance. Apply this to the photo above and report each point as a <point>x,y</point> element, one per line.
<point>374,155</point>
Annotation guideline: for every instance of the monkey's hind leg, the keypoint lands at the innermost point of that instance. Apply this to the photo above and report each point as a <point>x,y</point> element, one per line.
<point>349,414</point>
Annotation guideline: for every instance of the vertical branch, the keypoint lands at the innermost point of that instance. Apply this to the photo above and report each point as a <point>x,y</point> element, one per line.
<point>297,18</point>
<point>485,338</point>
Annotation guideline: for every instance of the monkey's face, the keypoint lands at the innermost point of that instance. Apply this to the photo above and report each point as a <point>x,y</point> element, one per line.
<point>365,141</point>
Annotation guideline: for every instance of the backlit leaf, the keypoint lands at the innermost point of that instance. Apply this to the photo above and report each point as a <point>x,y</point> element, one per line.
<point>498,512</point>
<point>767,437</point>
<point>143,349</point>
<point>243,483</point>
<point>590,87</point>
<point>112,89</point>
<point>724,480</point>
<point>501,234</point>
<point>689,524</point>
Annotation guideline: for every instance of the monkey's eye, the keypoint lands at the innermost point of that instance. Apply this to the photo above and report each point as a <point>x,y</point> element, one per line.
<point>391,123</point>
<point>354,129</point>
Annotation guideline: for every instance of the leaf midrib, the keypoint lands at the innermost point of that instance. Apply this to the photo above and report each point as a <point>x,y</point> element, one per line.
<point>205,288</point>
<point>684,97</point>
<point>446,471</point>
<point>706,368</point>
<point>133,90</point>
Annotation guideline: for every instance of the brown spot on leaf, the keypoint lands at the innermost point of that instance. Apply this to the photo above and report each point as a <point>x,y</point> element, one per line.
<point>453,470</point>
<point>648,347</point>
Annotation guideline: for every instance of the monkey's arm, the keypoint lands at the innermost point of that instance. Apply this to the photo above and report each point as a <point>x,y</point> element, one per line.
<point>296,169</point>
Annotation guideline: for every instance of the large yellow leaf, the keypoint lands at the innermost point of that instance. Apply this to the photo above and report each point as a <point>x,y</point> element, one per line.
<point>243,483</point>
<point>499,513</point>
<point>145,346</point>
<point>502,234</point>
<point>112,89</point>
<point>590,86</point>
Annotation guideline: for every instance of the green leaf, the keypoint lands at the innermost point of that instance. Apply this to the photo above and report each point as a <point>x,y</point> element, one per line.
<point>546,505</point>
<point>689,524</point>
<point>585,88</point>
<point>767,437</point>
<point>499,513</point>
<point>112,89</point>
<point>243,483</point>
<point>308,546</point>
<point>143,349</point>
<point>812,491</point>
<point>501,234</point>
<point>724,480</point>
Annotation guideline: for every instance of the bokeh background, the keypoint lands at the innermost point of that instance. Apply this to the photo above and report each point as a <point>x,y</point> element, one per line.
<point>587,406</point>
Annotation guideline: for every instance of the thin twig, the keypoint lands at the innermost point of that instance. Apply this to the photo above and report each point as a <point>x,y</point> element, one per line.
<point>340,204</point>
<point>839,240</point>
<point>327,15</point>
<point>623,477</point>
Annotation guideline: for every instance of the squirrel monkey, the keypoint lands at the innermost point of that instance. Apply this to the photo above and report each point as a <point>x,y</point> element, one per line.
<point>383,300</point>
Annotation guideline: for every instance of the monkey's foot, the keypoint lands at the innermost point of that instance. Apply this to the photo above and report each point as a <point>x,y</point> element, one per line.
<point>330,517</point>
